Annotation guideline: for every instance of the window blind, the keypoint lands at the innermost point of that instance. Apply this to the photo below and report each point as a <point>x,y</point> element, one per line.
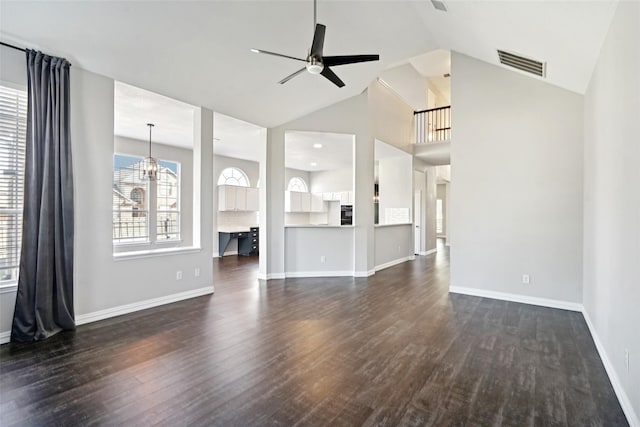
<point>13,129</point>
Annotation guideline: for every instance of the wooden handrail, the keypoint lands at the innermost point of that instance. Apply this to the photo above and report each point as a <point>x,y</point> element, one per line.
<point>431,109</point>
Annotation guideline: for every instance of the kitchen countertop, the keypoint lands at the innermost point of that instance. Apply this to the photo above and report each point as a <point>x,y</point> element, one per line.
<point>235,229</point>
<point>317,226</point>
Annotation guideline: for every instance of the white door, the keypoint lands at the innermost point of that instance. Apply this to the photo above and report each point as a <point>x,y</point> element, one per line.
<point>417,222</point>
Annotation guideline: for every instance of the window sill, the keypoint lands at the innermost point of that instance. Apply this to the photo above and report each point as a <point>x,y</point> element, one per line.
<point>9,288</point>
<point>123,256</point>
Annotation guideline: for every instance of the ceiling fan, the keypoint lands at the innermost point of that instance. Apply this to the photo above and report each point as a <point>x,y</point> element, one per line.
<point>316,62</point>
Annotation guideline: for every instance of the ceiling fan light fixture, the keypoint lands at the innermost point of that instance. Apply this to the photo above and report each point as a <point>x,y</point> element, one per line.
<point>314,66</point>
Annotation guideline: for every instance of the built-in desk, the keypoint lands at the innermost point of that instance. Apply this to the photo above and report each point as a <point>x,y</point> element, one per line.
<point>248,240</point>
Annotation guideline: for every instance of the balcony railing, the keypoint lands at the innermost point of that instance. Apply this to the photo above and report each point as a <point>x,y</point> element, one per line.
<point>433,125</point>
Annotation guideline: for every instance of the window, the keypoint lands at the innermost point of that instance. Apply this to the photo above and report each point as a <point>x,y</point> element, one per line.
<point>130,208</point>
<point>233,176</point>
<point>439,216</point>
<point>13,129</point>
<point>168,205</point>
<point>143,211</point>
<point>297,184</point>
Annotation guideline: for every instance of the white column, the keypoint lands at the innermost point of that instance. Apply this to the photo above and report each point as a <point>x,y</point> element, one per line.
<point>272,206</point>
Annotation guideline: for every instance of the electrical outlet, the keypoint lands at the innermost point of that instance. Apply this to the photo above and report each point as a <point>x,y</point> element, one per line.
<point>525,279</point>
<point>179,275</point>
<point>196,272</point>
<point>323,259</point>
<point>398,248</point>
<point>626,359</point>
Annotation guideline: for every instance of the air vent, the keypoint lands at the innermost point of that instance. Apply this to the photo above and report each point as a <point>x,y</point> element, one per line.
<point>527,65</point>
<point>439,5</point>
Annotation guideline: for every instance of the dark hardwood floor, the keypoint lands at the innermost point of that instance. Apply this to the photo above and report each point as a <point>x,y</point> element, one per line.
<point>393,349</point>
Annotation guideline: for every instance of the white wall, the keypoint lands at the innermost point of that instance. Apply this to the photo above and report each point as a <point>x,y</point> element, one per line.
<point>305,246</point>
<point>516,161</point>
<point>612,204</point>
<point>442,195</point>
<point>395,188</point>
<point>349,116</point>
<point>394,243</point>
<point>332,180</point>
<point>100,282</point>
<point>430,210</point>
<point>390,118</point>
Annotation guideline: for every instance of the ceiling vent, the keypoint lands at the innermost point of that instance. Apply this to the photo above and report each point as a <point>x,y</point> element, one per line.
<point>521,63</point>
<point>439,5</point>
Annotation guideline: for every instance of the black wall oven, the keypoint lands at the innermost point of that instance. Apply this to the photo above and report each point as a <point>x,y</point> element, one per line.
<point>346,215</point>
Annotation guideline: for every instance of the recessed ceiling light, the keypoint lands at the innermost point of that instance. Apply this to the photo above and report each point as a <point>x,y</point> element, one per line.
<point>317,145</point>
<point>314,164</point>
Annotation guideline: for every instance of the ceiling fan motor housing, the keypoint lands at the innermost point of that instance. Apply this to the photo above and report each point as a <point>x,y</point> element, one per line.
<point>314,65</point>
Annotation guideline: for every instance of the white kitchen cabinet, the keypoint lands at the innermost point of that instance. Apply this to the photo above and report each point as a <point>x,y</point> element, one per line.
<point>241,198</point>
<point>305,202</point>
<point>327,196</point>
<point>295,201</point>
<point>235,198</point>
<point>317,202</point>
<point>292,201</point>
<point>346,198</point>
<point>253,199</point>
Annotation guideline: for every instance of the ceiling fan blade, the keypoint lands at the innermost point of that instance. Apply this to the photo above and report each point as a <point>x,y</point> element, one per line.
<point>266,52</point>
<point>332,76</point>
<point>318,41</point>
<point>331,61</point>
<point>290,76</point>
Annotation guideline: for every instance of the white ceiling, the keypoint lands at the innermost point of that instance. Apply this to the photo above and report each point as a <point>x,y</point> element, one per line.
<point>434,153</point>
<point>198,52</point>
<point>336,151</point>
<point>237,138</point>
<point>387,151</point>
<point>135,107</point>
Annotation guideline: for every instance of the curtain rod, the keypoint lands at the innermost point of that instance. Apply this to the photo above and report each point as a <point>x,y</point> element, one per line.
<point>21,49</point>
<point>12,46</point>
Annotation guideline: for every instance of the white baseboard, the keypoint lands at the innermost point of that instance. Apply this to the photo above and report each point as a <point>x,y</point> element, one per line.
<point>364,273</point>
<point>524,299</point>
<point>271,276</point>
<point>429,252</point>
<point>624,400</point>
<point>394,262</point>
<point>293,274</point>
<point>141,305</point>
<point>83,319</point>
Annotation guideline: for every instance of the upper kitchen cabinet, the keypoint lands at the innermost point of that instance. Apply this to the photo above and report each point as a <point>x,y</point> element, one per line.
<point>236,198</point>
<point>295,201</point>
<point>253,199</point>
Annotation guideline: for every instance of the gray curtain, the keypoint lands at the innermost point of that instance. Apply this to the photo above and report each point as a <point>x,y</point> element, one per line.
<point>44,302</point>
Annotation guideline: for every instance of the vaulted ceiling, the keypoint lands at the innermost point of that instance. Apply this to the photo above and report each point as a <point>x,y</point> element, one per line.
<point>198,52</point>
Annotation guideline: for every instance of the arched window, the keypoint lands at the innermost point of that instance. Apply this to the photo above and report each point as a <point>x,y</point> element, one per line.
<point>137,196</point>
<point>233,176</point>
<point>297,184</point>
